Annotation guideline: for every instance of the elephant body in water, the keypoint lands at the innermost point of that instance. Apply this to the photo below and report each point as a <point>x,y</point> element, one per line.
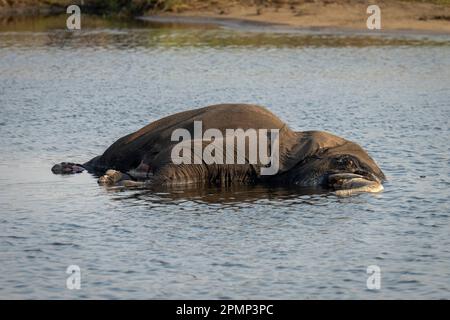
<point>309,158</point>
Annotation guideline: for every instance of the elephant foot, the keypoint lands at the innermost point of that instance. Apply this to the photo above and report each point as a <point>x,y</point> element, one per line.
<point>116,178</point>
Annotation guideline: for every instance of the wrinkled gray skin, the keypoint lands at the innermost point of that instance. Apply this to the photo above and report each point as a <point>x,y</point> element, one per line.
<point>309,158</point>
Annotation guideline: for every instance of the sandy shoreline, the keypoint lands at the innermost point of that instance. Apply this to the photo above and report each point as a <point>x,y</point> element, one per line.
<point>343,15</point>
<point>402,16</point>
<point>278,27</point>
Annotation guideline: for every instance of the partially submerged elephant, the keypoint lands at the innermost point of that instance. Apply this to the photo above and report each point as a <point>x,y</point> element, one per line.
<point>309,158</point>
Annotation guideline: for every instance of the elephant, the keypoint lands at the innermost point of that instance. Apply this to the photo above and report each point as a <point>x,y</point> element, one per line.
<point>151,155</point>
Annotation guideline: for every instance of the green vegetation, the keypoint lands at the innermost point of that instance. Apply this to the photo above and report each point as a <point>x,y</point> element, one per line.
<point>103,7</point>
<point>135,7</point>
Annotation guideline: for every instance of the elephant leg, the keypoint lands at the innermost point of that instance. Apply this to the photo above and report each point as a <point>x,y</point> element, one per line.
<point>117,178</point>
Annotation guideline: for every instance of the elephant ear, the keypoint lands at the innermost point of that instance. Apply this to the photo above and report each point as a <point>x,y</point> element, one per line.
<point>216,148</point>
<point>296,147</point>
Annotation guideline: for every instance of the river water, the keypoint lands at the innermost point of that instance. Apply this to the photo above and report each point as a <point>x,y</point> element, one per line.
<point>68,95</point>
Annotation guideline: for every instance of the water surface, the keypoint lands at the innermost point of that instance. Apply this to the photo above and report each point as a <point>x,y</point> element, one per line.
<point>68,95</point>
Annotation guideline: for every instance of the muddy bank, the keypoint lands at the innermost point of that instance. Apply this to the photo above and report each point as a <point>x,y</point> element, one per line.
<point>428,16</point>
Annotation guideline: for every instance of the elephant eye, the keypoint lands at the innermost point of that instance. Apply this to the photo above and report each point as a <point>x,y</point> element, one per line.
<point>345,161</point>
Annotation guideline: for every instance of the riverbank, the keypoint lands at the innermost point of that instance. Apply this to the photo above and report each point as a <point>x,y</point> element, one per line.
<point>429,16</point>
<point>395,15</point>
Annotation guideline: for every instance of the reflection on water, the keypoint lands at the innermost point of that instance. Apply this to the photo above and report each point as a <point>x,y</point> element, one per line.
<point>222,195</point>
<point>98,32</point>
<point>68,95</point>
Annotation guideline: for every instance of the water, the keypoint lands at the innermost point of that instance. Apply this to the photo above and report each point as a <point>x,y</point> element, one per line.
<point>67,96</point>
